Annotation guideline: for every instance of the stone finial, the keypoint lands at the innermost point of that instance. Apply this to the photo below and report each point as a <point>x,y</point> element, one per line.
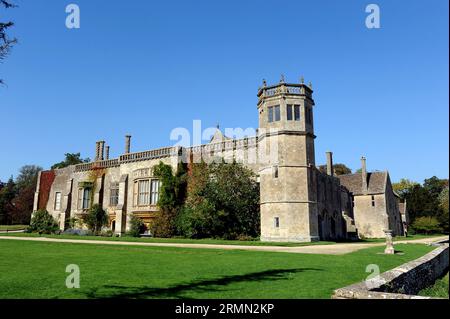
<point>282,78</point>
<point>389,243</point>
<point>264,83</point>
<point>217,125</point>
<point>302,80</point>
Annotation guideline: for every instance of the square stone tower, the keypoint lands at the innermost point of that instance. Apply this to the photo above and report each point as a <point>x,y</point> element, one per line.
<point>286,132</point>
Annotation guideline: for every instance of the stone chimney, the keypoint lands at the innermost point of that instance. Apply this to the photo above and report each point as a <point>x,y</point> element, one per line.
<point>97,150</point>
<point>107,153</point>
<point>127,144</point>
<point>364,174</point>
<point>101,151</point>
<point>330,163</point>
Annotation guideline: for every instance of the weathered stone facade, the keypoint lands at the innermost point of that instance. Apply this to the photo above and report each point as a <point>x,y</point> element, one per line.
<point>298,202</point>
<point>375,204</point>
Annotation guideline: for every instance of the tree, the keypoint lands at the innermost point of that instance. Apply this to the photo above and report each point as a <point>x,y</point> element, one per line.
<point>172,195</point>
<point>222,201</point>
<point>25,188</point>
<point>27,177</point>
<point>137,226</point>
<point>339,169</point>
<point>96,219</point>
<point>435,186</point>
<point>43,223</point>
<point>7,194</point>
<point>426,225</point>
<point>403,187</point>
<point>444,205</point>
<point>6,43</point>
<point>70,159</point>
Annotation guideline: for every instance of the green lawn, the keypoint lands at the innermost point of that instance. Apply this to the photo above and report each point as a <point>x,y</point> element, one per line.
<point>12,227</point>
<point>37,270</point>
<point>439,289</point>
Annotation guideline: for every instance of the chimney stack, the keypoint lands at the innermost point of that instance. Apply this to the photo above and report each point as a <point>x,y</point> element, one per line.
<point>364,174</point>
<point>97,150</point>
<point>107,153</point>
<point>330,163</point>
<point>101,151</point>
<point>127,143</point>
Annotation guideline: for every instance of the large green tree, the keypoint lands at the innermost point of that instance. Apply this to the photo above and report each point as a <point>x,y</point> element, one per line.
<point>25,188</point>
<point>426,201</point>
<point>70,159</point>
<point>404,186</point>
<point>7,209</point>
<point>223,202</point>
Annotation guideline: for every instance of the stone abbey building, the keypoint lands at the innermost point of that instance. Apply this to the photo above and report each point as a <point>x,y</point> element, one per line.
<point>298,202</point>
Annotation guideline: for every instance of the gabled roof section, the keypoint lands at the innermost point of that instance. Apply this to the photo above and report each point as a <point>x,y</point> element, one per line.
<point>219,137</point>
<point>376,182</point>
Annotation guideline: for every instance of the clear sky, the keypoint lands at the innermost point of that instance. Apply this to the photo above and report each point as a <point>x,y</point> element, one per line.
<point>147,67</point>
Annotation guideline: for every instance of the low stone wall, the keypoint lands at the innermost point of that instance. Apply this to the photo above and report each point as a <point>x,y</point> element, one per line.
<point>402,282</point>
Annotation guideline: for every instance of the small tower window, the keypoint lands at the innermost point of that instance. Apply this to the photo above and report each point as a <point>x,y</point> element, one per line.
<point>273,113</point>
<point>297,112</point>
<point>373,201</point>
<point>270,114</point>
<point>277,113</point>
<point>289,112</point>
<point>275,172</point>
<point>276,222</point>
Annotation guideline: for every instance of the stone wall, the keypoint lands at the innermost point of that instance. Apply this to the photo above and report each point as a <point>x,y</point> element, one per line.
<point>402,282</point>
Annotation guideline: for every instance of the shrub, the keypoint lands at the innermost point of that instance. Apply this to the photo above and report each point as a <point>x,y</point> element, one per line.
<point>95,219</point>
<point>222,202</point>
<point>163,225</point>
<point>78,232</point>
<point>137,226</point>
<point>107,233</point>
<point>426,225</point>
<point>71,223</point>
<point>43,223</point>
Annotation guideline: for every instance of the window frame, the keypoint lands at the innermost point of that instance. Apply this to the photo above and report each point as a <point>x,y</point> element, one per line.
<point>270,114</point>
<point>86,201</point>
<point>143,194</point>
<point>114,195</point>
<point>276,222</point>
<point>154,195</point>
<point>297,116</point>
<point>58,200</point>
<point>277,113</point>
<point>289,113</point>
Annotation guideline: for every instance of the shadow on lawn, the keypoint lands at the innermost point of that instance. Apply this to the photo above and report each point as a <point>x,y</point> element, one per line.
<point>177,291</point>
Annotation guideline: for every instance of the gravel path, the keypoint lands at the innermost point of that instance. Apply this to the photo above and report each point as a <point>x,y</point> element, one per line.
<point>333,249</point>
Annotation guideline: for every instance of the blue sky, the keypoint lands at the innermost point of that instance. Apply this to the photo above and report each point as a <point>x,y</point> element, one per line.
<point>146,67</point>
